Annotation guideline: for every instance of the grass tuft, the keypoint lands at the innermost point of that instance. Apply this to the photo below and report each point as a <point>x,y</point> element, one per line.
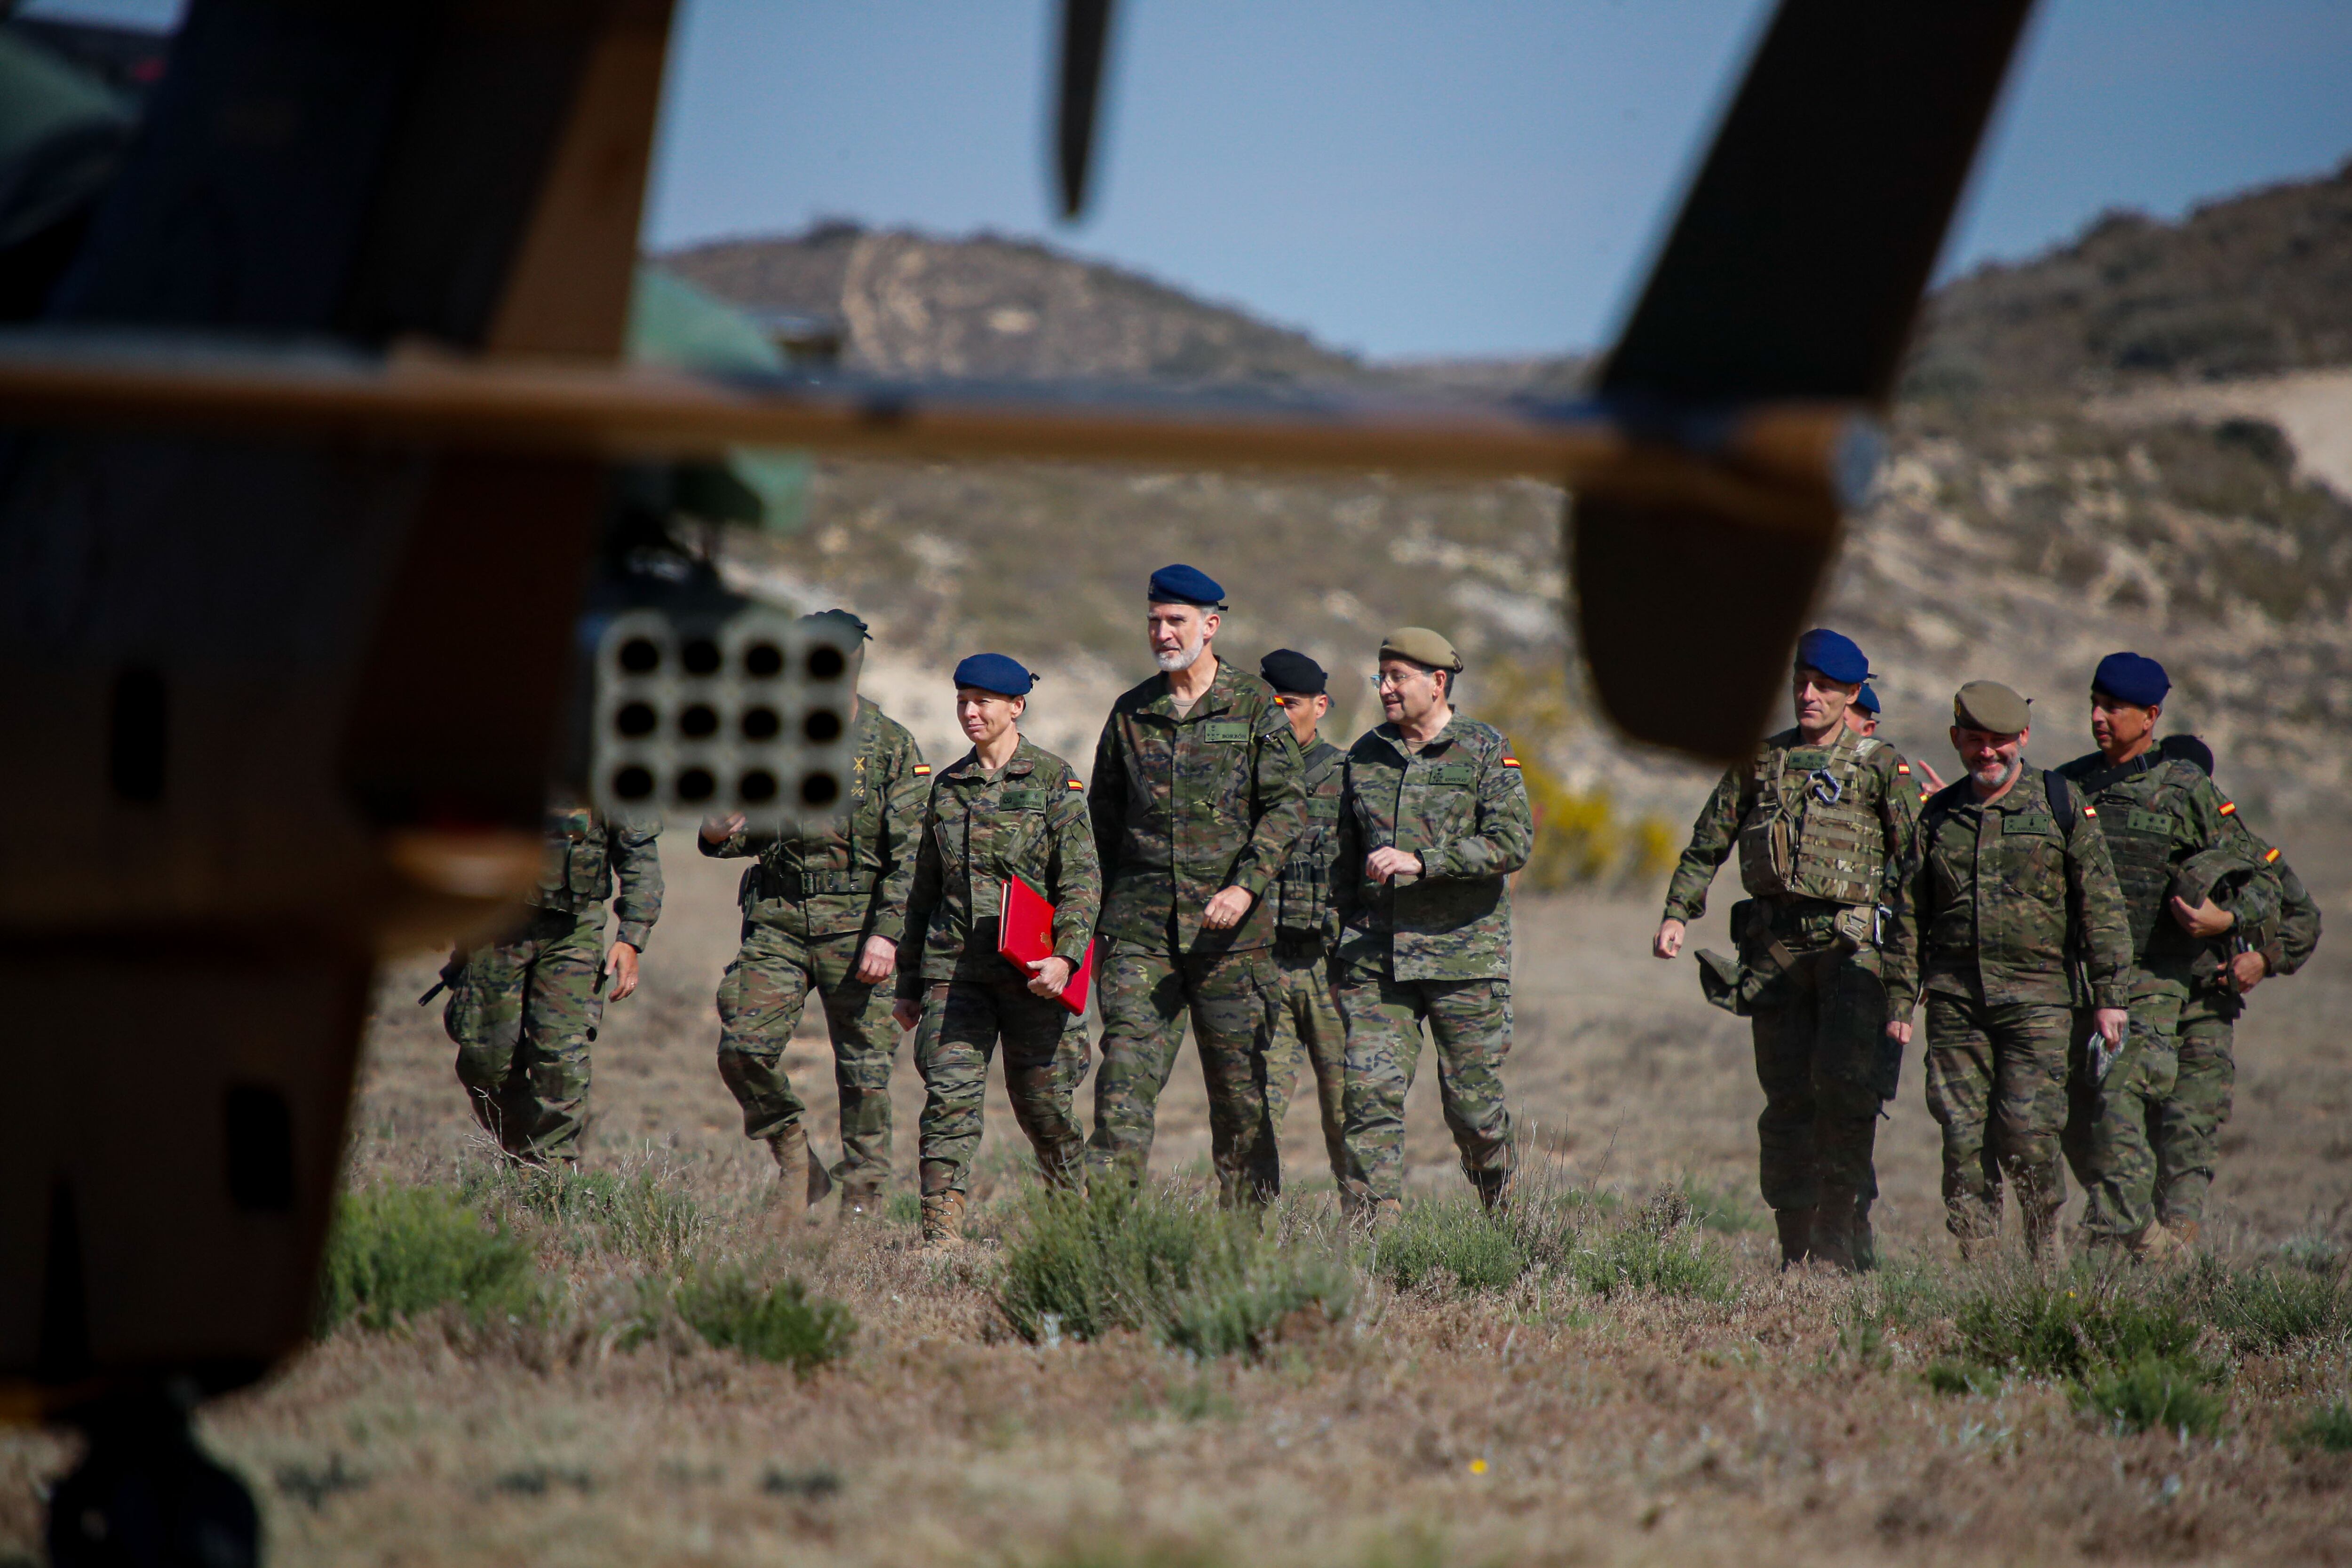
<point>396,1252</point>
<point>2264,1311</point>
<point>1450,1243</point>
<point>2153,1393</point>
<point>1656,1252</point>
<point>2070,1327</point>
<point>772,1323</point>
<point>2327,1428</point>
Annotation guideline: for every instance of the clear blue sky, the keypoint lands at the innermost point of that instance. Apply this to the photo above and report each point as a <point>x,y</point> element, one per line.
<point>1405,177</point>
<point>1408,177</point>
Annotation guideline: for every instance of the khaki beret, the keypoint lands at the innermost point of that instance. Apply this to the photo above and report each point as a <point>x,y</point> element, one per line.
<point>1988,705</point>
<point>1421,645</point>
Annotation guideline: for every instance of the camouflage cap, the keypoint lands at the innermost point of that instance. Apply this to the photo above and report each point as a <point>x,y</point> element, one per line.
<point>2210,874</point>
<point>1990,707</point>
<point>1421,645</point>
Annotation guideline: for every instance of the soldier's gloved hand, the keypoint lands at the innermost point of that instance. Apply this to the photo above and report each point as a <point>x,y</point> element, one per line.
<point>1226,910</point>
<point>2113,1022</point>
<point>2249,969</point>
<point>621,963</point>
<point>906,1014</point>
<point>2202,920</point>
<point>878,961</point>
<point>719,830</point>
<point>1669,940</point>
<point>1052,975</point>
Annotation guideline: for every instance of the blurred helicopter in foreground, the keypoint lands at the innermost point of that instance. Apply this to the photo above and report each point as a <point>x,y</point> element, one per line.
<point>316,438</point>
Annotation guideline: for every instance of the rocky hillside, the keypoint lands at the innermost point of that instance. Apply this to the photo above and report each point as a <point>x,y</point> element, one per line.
<point>2024,527</point>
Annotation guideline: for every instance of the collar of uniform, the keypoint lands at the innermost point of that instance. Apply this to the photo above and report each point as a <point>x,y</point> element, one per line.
<point>2026,795</point>
<point>1215,700</point>
<point>1444,739</point>
<point>1024,760</point>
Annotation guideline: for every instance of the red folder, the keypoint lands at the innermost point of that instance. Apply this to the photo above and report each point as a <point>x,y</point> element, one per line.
<point>1024,934</point>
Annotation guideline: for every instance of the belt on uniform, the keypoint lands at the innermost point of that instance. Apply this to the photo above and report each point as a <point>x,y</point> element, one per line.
<point>799,884</point>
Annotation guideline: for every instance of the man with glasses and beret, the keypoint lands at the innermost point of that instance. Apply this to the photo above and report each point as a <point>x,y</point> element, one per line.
<point>824,912</point>
<point>1433,819</point>
<point>1821,818</point>
<point>1196,799</point>
<point>2010,885</point>
<point>1006,809</point>
<point>1308,1032</point>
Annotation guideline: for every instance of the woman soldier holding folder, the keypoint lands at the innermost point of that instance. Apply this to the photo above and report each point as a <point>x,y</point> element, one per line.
<point>1005,810</point>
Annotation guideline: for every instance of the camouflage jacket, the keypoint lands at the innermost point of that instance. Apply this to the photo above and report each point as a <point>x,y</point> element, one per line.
<point>2156,813</point>
<point>1999,897</point>
<point>977,829</point>
<point>854,876</point>
<point>1304,906</point>
<point>587,854</point>
<point>1185,807</point>
<point>1830,823</point>
<point>1460,804</point>
<point>2292,935</point>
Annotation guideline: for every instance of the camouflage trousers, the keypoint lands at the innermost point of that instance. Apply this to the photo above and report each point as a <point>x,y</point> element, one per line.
<point>2189,1122</point>
<point>1146,996</point>
<point>2111,1122</point>
<point>1045,1057</point>
<point>759,1003</point>
<point>523,1013</point>
<point>1470,1024</point>
<point>1309,1037</point>
<point>1997,1086</point>
<point>1820,1032</point>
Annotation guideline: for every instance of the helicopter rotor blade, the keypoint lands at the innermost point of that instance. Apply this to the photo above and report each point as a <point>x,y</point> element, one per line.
<point>1794,270</point>
<point>1085,37</point>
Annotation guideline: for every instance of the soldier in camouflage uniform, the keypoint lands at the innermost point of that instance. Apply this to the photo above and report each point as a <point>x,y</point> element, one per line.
<point>824,912</point>
<point>1006,809</point>
<point>1433,819</point>
<point>2008,879</point>
<point>523,1011</point>
<point>1308,1033</point>
<point>1196,799</point>
<point>1822,820</point>
<point>2277,940</point>
<point>2157,812</point>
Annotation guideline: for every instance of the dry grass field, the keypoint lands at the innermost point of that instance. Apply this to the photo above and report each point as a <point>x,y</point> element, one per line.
<point>1633,1382</point>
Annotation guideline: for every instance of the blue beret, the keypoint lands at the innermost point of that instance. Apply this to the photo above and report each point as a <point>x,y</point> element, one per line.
<point>1186,585</point>
<point>1833,654</point>
<point>1293,673</point>
<point>995,673</point>
<point>2132,678</point>
<point>1866,700</point>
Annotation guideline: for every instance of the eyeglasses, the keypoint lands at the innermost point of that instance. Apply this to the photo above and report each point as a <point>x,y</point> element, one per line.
<point>1388,678</point>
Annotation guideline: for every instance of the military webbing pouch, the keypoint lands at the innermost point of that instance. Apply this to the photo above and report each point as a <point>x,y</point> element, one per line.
<point>1734,985</point>
<point>1767,852</point>
<point>792,885</point>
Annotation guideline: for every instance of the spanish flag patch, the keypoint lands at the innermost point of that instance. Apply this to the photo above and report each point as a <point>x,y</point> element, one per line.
<point>2229,808</point>
<point>1904,768</point>
<point>2089,809</point>
<point>1074,784</point>
<point>1509,760</point>
<point>922,770</point>
<point>2272,856</point>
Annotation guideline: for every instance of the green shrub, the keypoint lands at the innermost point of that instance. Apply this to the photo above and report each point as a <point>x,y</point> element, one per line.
<point>2267,1310</point>
<point>1959,1377</point>
<point>2153,1392</point>
<point>1453,1242</point>
<point>2052,1329</point>
<point>2330,1428</point>
<point>637,1216</point>
<point>1245,1316</point>
<point>1158,1263</point>
<point>396,1252</point>
<point>1667,1260</point>
<point>773,1323</point>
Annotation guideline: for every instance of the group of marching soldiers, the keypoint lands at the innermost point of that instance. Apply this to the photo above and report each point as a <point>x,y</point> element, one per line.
<point>1306,909</point>
<point>2084,938</point>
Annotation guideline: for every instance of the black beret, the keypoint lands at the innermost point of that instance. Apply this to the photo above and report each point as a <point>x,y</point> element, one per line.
<point>1293,673</point>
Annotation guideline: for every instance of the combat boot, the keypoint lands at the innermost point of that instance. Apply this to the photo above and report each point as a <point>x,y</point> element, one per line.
<point>800,1179</point>
<point>942,1219</point>
<point>1833,1238</point>
<point>2153,1245</point>
<point>1494,1189</point>
<point>861,1200</point>
<point>2184,1234</point>
<point>1796,1228</point>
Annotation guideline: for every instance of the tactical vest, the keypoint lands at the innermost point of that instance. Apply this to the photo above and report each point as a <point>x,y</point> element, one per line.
<point>796,869</point>
<point>1302,895</point>
<point>1812,829</point>
<point>2140,842</point>
<point>575,872</point>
